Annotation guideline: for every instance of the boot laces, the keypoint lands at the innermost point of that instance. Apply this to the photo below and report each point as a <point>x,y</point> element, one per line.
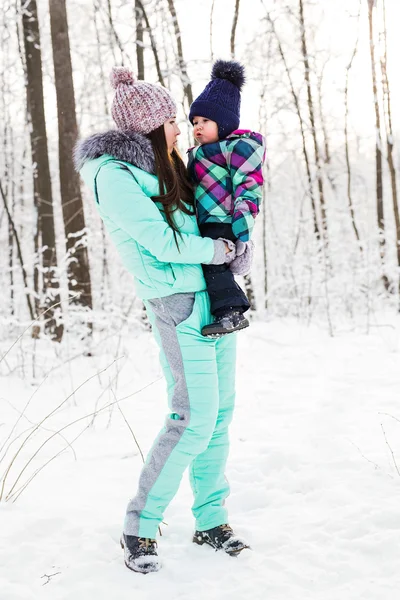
<point>225,532</point>
<point>145,543</point>
<point>226,529</point>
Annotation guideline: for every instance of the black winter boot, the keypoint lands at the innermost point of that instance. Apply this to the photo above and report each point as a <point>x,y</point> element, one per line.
<point>140,554</point>
<point>228,323</point>
<point>221,538</point>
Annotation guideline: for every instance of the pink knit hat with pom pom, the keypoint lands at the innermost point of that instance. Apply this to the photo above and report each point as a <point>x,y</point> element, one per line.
<point>139,106</point>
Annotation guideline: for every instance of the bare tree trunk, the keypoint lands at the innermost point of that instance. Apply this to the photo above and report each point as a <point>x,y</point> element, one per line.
<point>234,25</point>
<point>264,120</point>
<point>378,144</point>
<point>311,113</point>
<point>11,236</point>
<point>96,10</point>
<point>141,74</point>
<point>166,43</point>
<point>247,279</point>
<point>139,4</point>
<point>187,86</point>
<point>302,130</point>
<point>9,162</point>
<point>104,272</point>
<point>139,41</point>
<point>264,245</point>
<point>248,286</point>
<point>11,187</point>
<point>390,140</point>
<point>19,252</point>
<point>327,156</point>
<point>71,198</point>
<point>41,180</point>
<point>11,262</point>
<point>327,153</point>
<point>211,30</point>
<point>346,139</point>
<point>114,33</point>
<point>310,104</point>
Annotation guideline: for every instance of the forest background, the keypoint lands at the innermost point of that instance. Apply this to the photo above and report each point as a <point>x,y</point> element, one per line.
<point>321,87</point>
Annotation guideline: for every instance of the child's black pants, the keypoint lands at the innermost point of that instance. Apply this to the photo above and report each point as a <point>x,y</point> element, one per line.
<point>225,294</point>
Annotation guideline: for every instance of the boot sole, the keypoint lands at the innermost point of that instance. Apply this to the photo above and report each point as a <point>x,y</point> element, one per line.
<point>220,332</point>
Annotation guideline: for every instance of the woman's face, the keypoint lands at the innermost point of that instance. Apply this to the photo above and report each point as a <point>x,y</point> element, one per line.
<point>172,131</point>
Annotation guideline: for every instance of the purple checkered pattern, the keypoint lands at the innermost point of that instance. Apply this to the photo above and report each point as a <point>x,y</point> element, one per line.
<point>228,180</point>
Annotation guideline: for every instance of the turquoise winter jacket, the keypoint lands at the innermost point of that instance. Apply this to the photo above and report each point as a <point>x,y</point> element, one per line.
<point>118,169</point>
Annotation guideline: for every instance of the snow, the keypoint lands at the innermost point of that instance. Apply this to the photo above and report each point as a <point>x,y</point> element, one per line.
<point>312,469</point>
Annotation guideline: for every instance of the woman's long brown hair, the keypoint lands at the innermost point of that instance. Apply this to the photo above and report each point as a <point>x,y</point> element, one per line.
<point>175,187</point>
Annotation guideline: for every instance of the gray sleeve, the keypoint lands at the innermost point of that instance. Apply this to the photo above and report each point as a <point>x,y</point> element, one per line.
<point>220,256</point>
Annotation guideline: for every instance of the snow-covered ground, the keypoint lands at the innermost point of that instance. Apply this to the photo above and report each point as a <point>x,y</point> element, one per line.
<point>312,469</point>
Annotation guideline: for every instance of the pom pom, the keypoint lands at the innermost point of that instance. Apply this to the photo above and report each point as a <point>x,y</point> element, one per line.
<point>230,70</point>
<point>121,75</point>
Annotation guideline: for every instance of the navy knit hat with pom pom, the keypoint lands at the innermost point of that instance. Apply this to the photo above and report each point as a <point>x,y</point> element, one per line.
<point>220,100</point>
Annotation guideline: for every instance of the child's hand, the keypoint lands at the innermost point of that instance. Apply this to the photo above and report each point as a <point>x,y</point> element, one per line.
<point>240,247</point>
<point>241,265</point>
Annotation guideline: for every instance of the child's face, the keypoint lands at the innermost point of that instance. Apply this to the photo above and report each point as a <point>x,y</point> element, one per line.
<point>205,131</point>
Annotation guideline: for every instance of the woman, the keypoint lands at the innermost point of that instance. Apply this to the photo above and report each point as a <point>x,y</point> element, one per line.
<point>146,202</point>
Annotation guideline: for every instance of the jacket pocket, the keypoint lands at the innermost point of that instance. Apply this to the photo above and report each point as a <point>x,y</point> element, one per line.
<point>161,273</point>
<point>178,273</point>
<point>187,313</point>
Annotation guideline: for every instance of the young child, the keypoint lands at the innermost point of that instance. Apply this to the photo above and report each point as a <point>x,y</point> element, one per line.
<point>226,169</point>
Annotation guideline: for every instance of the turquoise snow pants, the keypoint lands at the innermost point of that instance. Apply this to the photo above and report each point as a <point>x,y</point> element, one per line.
<point>200,374</point>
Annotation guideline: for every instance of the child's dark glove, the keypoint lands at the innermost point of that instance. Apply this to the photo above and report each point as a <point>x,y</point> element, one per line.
<point>241,265</point>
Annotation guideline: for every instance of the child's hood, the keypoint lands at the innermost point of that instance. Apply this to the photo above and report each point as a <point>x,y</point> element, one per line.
<point>246,133</point>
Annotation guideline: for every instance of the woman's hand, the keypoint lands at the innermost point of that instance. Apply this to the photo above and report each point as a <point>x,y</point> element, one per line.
<point>241,265</point>
<point>224,252</point>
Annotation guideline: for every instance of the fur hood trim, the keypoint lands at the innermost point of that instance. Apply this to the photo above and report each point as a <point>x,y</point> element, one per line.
<point>133,148</point>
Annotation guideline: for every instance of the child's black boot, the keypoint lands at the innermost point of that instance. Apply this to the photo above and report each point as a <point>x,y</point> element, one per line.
<point>228,323</point>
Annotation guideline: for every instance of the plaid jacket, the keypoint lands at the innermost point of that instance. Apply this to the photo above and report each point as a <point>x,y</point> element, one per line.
<point>228,179</point>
